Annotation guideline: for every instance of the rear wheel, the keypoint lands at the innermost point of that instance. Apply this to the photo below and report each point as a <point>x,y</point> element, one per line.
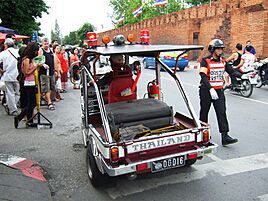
<point>190,162</point>
<point>247,89</point>
<point>96,178</point>
<point>259,82</point>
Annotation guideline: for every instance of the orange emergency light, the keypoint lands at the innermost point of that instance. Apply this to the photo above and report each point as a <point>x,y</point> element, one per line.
<point>131,38</point>
<point>92,39</point>
<point>106,40</point>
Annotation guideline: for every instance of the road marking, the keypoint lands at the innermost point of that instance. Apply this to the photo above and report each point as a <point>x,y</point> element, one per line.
<point>213,157</point>
<point>249,99</point>
<point>229,167</point>
<point>263,197</point>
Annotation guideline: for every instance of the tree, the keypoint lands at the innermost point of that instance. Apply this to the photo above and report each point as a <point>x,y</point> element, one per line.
<point>71,39</point>
<point>56,34</point>
<point>82,31</point>
<point>125,8</point>
<point>197,2</point>
<point>21,15</point>
<point>78,37</point>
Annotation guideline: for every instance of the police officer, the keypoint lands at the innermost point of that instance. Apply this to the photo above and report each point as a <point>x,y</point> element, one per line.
<point>211,88</point>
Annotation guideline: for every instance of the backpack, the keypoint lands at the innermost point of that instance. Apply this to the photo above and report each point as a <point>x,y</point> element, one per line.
<point>20,76</point>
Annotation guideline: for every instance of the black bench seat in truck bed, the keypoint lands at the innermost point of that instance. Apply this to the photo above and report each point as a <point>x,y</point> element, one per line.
<point>151,113</point>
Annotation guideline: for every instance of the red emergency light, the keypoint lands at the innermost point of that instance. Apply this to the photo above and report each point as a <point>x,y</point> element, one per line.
<point>92,39</point>
<point>145,37</point>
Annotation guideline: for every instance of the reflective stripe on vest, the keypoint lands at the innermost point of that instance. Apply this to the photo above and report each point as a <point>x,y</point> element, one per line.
<point>215,73</point>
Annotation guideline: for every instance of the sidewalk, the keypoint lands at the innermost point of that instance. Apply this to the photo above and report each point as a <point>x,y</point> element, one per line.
<point>21,179</point>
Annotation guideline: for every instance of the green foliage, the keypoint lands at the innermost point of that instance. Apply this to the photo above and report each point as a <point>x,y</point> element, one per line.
<point>78,37</point>
<point>196,2</point>
<point>82,31</point>
<point>21,15</point>
<point>56,34</point>
<point>121,7</point>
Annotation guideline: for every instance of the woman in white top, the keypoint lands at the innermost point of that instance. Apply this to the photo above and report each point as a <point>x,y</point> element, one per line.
<point>247,61</point>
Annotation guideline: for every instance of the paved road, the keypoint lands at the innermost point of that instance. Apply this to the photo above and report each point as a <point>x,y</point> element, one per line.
<point>238,172</point>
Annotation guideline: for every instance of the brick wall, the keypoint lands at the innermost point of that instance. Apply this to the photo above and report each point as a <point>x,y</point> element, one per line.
<point>231,20</point>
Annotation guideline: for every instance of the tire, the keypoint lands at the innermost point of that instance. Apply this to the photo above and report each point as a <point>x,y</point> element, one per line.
<point>247,89</point>
<point>182,69</point>
<point>259,82</point>
<point>96,178</point>
<point>190,162</point>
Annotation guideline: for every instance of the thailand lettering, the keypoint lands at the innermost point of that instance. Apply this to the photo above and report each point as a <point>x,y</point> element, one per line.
<point>161,143</point>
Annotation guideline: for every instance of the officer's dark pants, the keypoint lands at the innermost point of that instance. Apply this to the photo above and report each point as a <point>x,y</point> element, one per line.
<point>219,106</point>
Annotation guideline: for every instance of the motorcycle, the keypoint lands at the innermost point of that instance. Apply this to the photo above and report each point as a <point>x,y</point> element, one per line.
<point>244,84</point>
<point>261,70</point>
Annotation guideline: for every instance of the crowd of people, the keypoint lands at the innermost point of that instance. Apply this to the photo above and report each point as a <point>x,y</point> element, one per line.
<point>18,77</point>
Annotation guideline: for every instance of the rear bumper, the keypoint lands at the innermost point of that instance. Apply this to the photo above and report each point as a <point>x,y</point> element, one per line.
<point>131,168</point>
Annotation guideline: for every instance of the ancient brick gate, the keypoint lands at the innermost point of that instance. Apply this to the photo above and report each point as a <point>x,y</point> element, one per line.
<point>231,20</point>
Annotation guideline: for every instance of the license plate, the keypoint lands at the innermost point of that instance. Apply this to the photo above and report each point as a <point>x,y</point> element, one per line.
<point>168,163</point>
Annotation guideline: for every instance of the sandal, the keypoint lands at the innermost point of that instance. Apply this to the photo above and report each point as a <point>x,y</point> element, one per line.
<point>50,106</point>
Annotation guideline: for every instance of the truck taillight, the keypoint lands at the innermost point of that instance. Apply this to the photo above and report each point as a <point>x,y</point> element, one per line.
<point>142,167</point>
<point>185,56</point>
<point>206,136</point>
<point>114,154</point>
<point>192,156</point>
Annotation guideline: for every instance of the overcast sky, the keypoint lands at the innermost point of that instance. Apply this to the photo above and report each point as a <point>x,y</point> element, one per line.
<point>71,15</point>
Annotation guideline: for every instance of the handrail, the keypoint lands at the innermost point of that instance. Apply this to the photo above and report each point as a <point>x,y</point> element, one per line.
<point>184,95</point>
<point>101,106</point>
<point>177,60</point>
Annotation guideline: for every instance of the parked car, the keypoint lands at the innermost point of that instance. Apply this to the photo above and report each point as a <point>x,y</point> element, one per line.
<point>169,58</point>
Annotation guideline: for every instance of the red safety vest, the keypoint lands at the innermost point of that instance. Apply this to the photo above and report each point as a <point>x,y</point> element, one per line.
<point>215,73</point>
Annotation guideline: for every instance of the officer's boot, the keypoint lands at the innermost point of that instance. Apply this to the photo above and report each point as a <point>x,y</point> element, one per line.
<point>226,139</point>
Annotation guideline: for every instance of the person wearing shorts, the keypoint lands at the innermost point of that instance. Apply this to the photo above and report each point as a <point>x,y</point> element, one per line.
<point>46,72</point>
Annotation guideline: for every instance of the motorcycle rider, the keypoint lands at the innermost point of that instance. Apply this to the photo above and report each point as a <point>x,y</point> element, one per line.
<point>245,65</point>
<point>247,61</point>
<point>211,88</point>
<point>235,58</point>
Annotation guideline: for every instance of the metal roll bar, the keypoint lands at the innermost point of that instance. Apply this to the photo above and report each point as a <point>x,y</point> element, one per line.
<point>184,95</point>
<point>104,117</point>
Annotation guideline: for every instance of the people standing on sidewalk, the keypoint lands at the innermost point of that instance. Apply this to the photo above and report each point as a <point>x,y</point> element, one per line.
<point>20,78</point>
<point>211,88</point>
<point>58,71</point>
<point>74,58</point>
<point>9,58</point>
<point>64,67</point>
<point>47,78</point>
<point>28,69</point>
